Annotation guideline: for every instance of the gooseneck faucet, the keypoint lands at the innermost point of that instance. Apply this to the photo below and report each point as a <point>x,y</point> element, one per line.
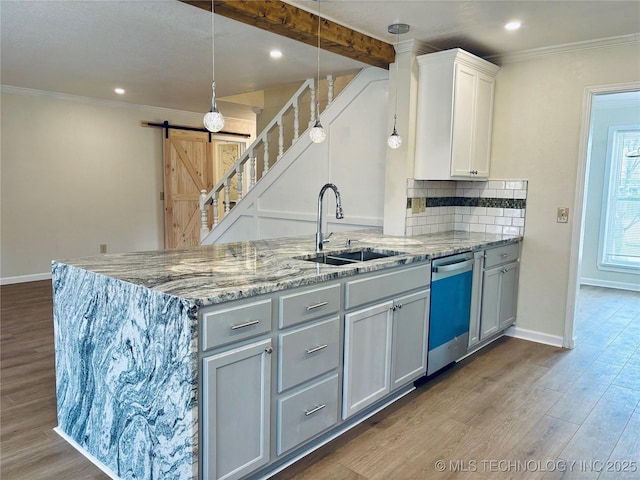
<point>319,240</point>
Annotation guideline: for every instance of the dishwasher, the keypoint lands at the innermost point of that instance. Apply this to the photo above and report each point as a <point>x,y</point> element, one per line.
<point>451,283</point>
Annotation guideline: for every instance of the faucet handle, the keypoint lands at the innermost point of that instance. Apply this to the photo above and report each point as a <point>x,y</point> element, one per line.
<point>326,240</point>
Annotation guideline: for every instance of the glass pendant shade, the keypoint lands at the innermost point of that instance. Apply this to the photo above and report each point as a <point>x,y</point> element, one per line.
<point>317,133</point>
<point>213,120</point>
<point>394,141</point>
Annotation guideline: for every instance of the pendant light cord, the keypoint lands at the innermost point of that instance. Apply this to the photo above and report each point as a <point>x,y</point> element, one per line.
<point>318,52</point>
<point>213,58</point>
<point>395,111</point>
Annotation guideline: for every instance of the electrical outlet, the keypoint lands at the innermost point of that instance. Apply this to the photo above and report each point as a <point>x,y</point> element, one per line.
<point>161,196</point>
<point>415,205</point>
<point>423,204</point>
<point>563,215</point>
<point>103,248</point>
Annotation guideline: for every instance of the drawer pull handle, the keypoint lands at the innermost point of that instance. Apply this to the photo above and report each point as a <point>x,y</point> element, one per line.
<point>317,305</point>
<point>243,325</point>
<point>504,255</point>
<point>316,349</point>
<point>315,409</point>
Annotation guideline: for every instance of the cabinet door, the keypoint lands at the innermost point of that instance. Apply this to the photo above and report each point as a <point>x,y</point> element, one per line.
<point>463,120</point>
<point>409,345</point>
<point>236,411</point>
<point>367,357</point>
<point>508,295</point>
<point>483,116</point>
<point>489,317</point>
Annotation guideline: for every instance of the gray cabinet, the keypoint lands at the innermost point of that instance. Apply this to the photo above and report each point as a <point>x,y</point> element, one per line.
<point>367,357</point>
<point>385,344</point>
<point>409,338</point>
<point>236,411</point>
<point>499,290</point>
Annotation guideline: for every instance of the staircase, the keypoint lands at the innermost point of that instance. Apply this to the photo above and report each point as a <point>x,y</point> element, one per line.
<point>241,177</point>
<point>261,188</point>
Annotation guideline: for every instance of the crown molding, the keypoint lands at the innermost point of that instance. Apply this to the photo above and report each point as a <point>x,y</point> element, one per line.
<point>619,41</point>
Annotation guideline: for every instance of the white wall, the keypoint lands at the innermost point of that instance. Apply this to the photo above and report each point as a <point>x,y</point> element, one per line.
<point>536,136</point>
<point>353,155</point>
<point>77,173</point>
<point>606,111</point>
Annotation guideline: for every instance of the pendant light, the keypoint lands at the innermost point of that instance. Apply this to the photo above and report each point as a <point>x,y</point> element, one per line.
<point>317,133</point>
<point>394,141</point>
<point>213,119</point>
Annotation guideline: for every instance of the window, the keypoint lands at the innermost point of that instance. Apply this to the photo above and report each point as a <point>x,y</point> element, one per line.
<point>620,239</point>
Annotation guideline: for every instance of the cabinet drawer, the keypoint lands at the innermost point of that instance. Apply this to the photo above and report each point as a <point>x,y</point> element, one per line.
<point>499,255</point>
<point>308,352</point>
<point>236,323</point>
<point>360,292</point>
<point>307,413</point>
<point>300,307</point>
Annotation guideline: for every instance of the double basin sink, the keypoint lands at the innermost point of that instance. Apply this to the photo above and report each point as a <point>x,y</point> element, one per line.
<point>350,257</point>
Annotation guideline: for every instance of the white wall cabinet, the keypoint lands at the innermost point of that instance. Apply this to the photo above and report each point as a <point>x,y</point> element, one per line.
<point>454,117</point>
<point>236,413</point>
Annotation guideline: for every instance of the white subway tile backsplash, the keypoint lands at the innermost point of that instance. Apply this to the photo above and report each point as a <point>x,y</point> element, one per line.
<point>476,227</point>
<point>488,193</point>
<point>489,219</point>
<point>494,229</point>
<point>514,185</point>
<point>504,221</point>
<point>520,194</point>
<point>496,212</point>
<point>504,194</point>
<point>512,212</point>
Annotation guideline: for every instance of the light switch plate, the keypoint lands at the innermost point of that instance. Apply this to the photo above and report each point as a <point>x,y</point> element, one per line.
<point>563,214</point>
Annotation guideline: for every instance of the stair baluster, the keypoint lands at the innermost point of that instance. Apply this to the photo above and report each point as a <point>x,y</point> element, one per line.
<point>215,196</point>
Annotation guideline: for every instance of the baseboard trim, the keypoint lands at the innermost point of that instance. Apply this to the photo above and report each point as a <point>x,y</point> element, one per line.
<point>595,282</point>
<point>25,278</point>
<point>86,454</point>
<point>533,336</point>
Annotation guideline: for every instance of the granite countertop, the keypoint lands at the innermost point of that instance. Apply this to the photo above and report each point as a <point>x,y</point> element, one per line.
<point>212,274</point>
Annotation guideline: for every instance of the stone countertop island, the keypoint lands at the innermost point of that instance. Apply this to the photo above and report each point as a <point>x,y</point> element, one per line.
<point>126,335</point>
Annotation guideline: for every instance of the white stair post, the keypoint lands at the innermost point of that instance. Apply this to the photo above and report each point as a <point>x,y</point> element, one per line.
<point>227,196</point>
<point>204,221</point>
<point>266,156</point>
<point>239,178</point>
<point>280,139</point>
<point>296,119</point>
<point>215,208</point>
<point>330,89</point>
<point>313,104</point>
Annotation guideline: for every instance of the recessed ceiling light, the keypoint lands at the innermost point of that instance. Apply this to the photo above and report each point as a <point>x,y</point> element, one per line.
<point>119,91</point>
<point>275,53</point>
<point>513,25</point>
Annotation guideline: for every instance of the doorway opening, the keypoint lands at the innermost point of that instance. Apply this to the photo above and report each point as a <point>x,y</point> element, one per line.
<point>606,227</point>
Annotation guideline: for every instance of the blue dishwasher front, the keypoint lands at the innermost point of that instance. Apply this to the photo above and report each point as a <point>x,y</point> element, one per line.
<point>451,282</point>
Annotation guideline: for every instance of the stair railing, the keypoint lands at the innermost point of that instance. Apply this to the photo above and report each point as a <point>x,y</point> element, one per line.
<point>219,198</point>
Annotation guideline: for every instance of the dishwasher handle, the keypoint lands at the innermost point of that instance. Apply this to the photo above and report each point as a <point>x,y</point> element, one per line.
<point>452,267</point>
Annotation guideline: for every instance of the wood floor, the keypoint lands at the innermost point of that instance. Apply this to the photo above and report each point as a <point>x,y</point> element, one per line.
<point>515,410</point>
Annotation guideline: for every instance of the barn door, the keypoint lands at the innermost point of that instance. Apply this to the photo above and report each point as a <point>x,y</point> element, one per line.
<point>188,168</point>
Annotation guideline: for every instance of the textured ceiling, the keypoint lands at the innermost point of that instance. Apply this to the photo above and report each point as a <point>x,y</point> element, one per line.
<point>160,51</point>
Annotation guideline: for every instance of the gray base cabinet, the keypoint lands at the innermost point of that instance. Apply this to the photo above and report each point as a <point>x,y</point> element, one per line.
<point>367,357</point>
<point>495,302</point>
<point>409,340</point>
<point>236,413</point>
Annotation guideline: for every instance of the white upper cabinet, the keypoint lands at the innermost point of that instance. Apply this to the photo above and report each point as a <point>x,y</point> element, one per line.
<point>455,109</point>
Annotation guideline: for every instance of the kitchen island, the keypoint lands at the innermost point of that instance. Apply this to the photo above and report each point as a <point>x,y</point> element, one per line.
<point>130,345</point>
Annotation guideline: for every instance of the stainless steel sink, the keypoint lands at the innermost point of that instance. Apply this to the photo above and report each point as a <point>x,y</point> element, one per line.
<point>350,257</point>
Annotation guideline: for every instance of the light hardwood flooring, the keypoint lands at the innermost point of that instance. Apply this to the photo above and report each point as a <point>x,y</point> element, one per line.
<point>514,410</point>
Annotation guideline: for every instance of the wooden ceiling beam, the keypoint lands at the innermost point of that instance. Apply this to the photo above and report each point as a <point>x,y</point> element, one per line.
<point>289,21</point>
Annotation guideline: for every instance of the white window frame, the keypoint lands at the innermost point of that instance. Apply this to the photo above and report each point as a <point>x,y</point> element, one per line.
<point>613,164</point>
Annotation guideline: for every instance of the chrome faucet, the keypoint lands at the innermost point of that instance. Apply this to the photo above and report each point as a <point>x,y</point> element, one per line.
<point>319,240</point>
